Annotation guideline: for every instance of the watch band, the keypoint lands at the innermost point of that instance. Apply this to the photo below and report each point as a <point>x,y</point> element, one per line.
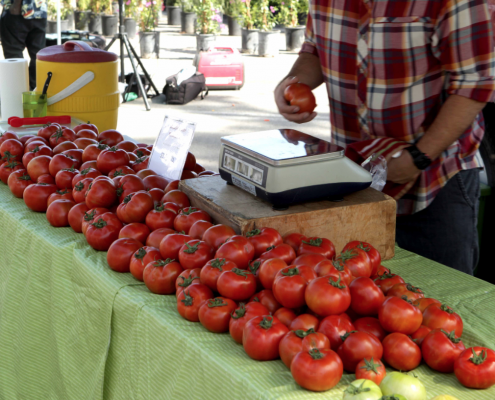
<point>420,159</point>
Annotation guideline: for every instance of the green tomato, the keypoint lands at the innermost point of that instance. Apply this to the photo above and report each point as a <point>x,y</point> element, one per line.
<point>363,389</point>
<point>394,397</point>
<point>408,386</point>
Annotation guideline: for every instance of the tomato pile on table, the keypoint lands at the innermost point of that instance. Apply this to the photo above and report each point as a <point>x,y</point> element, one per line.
<point>291,297</point>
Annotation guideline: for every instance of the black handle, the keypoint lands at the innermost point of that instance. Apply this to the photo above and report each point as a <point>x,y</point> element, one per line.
<point>47,82</point>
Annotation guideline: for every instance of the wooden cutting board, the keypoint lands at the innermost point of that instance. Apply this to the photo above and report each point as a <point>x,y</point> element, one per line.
<point>367,215</point>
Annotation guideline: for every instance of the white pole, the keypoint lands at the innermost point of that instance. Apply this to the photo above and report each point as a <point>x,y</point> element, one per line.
<point>59,34</point>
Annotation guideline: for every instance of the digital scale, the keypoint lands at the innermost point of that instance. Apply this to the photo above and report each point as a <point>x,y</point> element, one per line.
<point>286,166</point>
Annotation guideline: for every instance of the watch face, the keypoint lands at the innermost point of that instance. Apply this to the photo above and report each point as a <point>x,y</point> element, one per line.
<point>422,162</point>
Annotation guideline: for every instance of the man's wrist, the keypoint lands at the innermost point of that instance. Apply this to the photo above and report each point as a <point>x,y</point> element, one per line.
<point>420,159</point>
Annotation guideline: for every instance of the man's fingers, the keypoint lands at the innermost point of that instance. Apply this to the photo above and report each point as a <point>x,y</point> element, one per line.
<point>299,118</point>
<point>287,109</point>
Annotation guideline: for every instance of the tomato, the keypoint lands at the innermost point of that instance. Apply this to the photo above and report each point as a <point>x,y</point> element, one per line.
<point>88,126</point>
<point>267,298</point>
<point>475,368</point>
<point>187,278</point>
<point>190,161</point>
<point>111,158</point>
<point>92,151</point>
<point>132,158</point>
<point>191,299</point>
<point>141,152</point>
<point>85,173</point>
<point>140,164</point>
<point>212,270</point>
<point>36,152</point>
<point>262,336</point>
<point>177,197</point>
<point>237,249</point>
<point>290,285</point>
<point>127,146</point>
<point>121,171</point>
<point>356,346</point>
<point>76,215</point>
<point>64,177</point>
<point>423,303</point>
<point>398,315</point>
<point>64,146</point>
<point>171,245</point>
<point>102,233</point>
<point>7,168</point>
<point>101,193</point>
<point>370,325</point>
<point>305,322</point>
<point>18,182</point>
<point>157,236</point>
<point>38,166</point>
<point>441,316</point>
<point>236,284</point>
<point>75,154</point>
<point>326,295</point>
<point>85,133</point>
<point>88,164</point>
<point>33,139</point>
<point>327,267</point>
<point>187,217</point>
<point>174,185</point>
<point>110,137</point>
<point>381,270</point>
<point>57,212</point>
<point>34,146</point>
<point>198,229</point>
<point>217,235</point>
<point>367,297</point>
<point>90,217</point>
<point>373,253</point>
<point>156,194</point>
<point>48,130</point>
<point>309,259</point>
<point>195,254</point>
<point>357,261</point>
<point>60,195</point>
<point>300,95</point>
<point>241,316</point>
<point>171,206</point>
<point>140,259</point>
<point>420,334</point>
<point>334,328</point>
<point>215,314</point>
<point>285,315</point>
<point>400,352</point>
<point>160,217</point>
<point>135,230</point>
<point>60,162</point>
<point>410,387</point>
<point>82,143</point>
<point>160,276</point>
<point>198,168</point>
<point>282,251</point>
<point>269,269</point>
<point>440,349</point>
<point>369,369</point>
<point>317,245</point>
<point>254,268</point>
<point>362,389</point>
<point>80,189</point>
<point>36,196</point>
<point>62,135</point>
<point>294,240</point>
<point>386,281</point>
<point>406,289</point>
<point>262,239</point>
<point>11,150</point>
<point>135,207</point>
<point>296,341</point>
<point>317,370</point>
<point>9,135</point>
<point>129,184</point>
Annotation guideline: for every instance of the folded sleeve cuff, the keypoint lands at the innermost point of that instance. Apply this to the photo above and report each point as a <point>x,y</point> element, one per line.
<point>309,47</point>
<point>474,87</point>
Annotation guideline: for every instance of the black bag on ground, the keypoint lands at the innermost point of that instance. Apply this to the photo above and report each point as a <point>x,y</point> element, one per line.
<point>185,92</point>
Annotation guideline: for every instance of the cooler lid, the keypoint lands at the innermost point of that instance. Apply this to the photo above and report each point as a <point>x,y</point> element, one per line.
<point>75,51</point>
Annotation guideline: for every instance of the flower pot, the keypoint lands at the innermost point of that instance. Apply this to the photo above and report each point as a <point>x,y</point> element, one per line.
<point>249,40</point>
<point>234,27</point>
<point>94,23</point>
<point>130,27</point>
<point>81,18</point>
<point>51,26</point>
<point>294,37</point>
<point>173,15</point>
<point>268,43</point>
<point>109,24</point>
<point>205,41</point>
<point>149,42</point>
<point>188,22</point>
<point>71,19</point>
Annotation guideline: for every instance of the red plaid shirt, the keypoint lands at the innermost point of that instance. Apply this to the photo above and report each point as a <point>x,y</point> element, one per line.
<point>390,64</point>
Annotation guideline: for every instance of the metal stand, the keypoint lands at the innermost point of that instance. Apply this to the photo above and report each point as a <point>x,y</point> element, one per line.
<point>124,41</point>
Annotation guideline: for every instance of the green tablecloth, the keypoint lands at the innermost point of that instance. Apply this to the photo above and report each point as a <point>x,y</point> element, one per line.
<point>70,328</point>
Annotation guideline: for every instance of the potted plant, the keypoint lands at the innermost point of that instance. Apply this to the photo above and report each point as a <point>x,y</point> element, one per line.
<point>149,39</point>
<point>109,21</point>
<point>51,26</point>
<point>232,10</point>
<point>268,38</point>
<point>187,17</point>
<point>294,32</point>
<point>130,20</point>
<point>81,15</point>
<point>208,23</point>
<point>173,12</point>
<point>302,13</point>
<point>94,22</point>
<point>249,32</point>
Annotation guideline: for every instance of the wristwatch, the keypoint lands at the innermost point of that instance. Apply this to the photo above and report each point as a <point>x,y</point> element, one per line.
<point>421,160</point>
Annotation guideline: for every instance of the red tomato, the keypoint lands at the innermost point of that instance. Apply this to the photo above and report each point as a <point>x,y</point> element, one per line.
<point>357,261</point>
<point>23,139</point>
<point>300,95</point>
<point>237,284</point>
<point>36,196</point>
<point>440,349</point>
<point>34,146</point>
<point>135,230</point>
<point>237,249</point>
<point>89,126</point>
<point>373,253</point>
<point>420,334</point>
<point>110,137</point>
<point>406,289</point>
<point>86,133</point>
<point>187,278</point>
<point>82,143</point>
<point>57,213</point>
<point>64,146</point>
<point>398,315</point>
<point>309,259</point>
<point>177,197</point>
<point>262,239</point>
<point>217,235</point>
<point>140,164</point>
<point>60,162</point>
<point>191,299</point>
<point>123,170</point>
<point>326,296</point>
<point>9,135</point>
<point>195,254</point>
<point>386,281</point>
<point>254,268</point>
<point>305,322</point>
<point>154,181</point>
<point>367,297</point>
<point>199,228</point>
<point>370,325</point>
<point>319,246</point>
<point>171,245</point>
<point>38,151</point>
<point>102,233</point>
<point>187,217</point>
<point>34,139</point>
<point>475,368</point>
<point>171,206</point>
<point>285,315</point>
<point>11,150</point>
<point>7,168</point>
<point>241,316</point>
<point>198,168</point>
<point>160,217</point>
<point>441,316</point>
<point>424,302</point>
<point>269,269</point>
<point>212,270</point>
<point>76,215</point>
<point>369,369</point>
<point>141,152</point>
<point>85,173</point>
<point>62,135</point>
<point>215,314</point>
<point>282,251</point>
<point>190,161</point>
<point>327,267</point>
<point>294,240</point>
<point>80,189</point>
<point>101,193</point>
<point>356,346</point>
<point>156,194</point>
<point>262,336</point>
<point>296,341</point>
<point>132,158</point>
<point>157,236</point>
<point>334,328</point>
<point>129,184</point>
<point>18,182</point>
<point>127,146</point>
<point>111,158</point>
<point>140,259</point>
<point>174,185</point>
<point>92,152</point>
<point>160,276</point>
<point>90,217</point>
<point>60,195</point>
<point>400,352</point>
<point>75,154</point>
<point>38,166</point>
<point>48,130</point>
<point>147,172</point>
<point>88,164</point>
<point>64,178</point>
<point>290,285</point>
<point>135,207</point>
<point>186,174</point>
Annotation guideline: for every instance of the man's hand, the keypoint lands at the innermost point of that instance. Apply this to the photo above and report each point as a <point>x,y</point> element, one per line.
<point>285,109</point>
<point>402,169</point>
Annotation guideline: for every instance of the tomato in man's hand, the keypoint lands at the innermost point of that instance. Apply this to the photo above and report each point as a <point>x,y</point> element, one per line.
<point>300,95</point>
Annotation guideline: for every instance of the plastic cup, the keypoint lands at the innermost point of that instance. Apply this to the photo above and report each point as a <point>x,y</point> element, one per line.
<point>34,104</point>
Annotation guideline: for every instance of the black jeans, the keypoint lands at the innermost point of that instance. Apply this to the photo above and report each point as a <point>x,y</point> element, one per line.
<point>18,33</point>
<point>446,231</point>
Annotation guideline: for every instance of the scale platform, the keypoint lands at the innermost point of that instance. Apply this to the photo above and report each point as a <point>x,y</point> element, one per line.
<point>286,166</point>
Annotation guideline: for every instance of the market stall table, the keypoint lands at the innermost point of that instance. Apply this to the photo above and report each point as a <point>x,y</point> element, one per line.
<point>71,328</point>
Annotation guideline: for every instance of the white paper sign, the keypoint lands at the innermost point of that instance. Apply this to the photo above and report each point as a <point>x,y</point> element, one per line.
<point>171,146</point>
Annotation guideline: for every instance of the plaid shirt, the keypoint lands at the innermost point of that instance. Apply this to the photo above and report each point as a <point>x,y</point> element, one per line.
<point>389,65</point>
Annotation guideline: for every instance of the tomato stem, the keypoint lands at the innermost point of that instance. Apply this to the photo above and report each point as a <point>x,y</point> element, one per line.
<point>192,249</point>
<point>218,263</point>
<point>291,272</point>
<point>347,255</point>
<point>240,312</point>
<point>241,272</point>
<point>451,336</point>
<point>478,359</point>
<point>370,365</point>
<point>346,335</point>
<point>336,284</point>
<point>363,247</point>
<point>316,354</point>
<point>266,322</point>
<point>162,263</point>
<point>99,224</point>
<point>353,390</point>
<point>187,281</point>
<point>140,254</point>
<point>316,242</point>
<point>254,232</point>
<point>188,300</point>
<point>216,302</point>
<point>445,307</point>
<point>254,266</point>
<point>302,333</point>
<point>188,210</point>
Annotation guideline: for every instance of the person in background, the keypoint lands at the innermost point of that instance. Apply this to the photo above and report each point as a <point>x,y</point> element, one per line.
<point>408,80</point>
<point>23,24</point>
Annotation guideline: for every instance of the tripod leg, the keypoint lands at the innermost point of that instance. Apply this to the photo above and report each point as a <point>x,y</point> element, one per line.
<point>144,69</point>
<point>140,83</point>
<point>111,42</point>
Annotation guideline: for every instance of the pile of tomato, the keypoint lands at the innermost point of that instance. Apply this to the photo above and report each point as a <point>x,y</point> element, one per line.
<point>291,297</point>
